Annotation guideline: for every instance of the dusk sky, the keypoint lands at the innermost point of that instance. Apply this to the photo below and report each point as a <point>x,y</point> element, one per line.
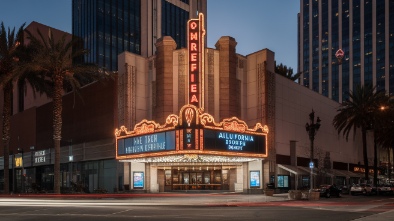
<point>255,24</point>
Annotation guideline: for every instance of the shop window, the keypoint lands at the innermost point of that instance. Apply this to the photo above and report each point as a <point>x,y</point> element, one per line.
<point>283,181</point>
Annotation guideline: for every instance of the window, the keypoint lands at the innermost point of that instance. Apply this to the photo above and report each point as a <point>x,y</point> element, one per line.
<point>283,181</point>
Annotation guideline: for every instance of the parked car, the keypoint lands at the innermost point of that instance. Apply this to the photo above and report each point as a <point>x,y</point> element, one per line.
<point>329,190</point>
<point>384,189</point>
<point>363,188</point>
<point>345,189</point>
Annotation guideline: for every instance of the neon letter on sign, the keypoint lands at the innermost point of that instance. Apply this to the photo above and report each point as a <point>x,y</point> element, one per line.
<point>194,61</point>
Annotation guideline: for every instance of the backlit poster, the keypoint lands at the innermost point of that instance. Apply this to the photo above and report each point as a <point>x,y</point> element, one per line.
<point>138,179</point>
<point>254,178</point>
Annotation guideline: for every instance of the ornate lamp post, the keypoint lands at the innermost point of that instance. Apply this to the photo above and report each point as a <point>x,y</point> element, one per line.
<point>311,129</point>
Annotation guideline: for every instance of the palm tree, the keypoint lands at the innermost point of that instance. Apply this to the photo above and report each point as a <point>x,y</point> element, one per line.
<point>53,59</point>
<point>10,44</point>
<point>286,72</point>
<point>356,113</point>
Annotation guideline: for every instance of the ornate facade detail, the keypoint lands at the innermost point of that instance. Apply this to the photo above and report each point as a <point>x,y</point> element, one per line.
<point>189,114</point>
<point>211,82</point>
<point>270,117</point>
<point>210,61</point>
<point>146,127</point>
<point>199,121</point>
<point>231,124</point>
<point>121,96</point>
<point>127,96</point>
<point>234,126</point>
<point>260,92</point>
<point>181,79</point>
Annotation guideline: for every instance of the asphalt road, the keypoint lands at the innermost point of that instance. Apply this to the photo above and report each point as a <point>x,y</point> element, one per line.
<point>195,207</point>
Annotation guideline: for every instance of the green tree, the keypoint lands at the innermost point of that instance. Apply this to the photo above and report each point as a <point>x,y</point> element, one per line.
<point>356,113</point>
<point>53,59</point>
<point>10,45</point>
<point>286,72</point>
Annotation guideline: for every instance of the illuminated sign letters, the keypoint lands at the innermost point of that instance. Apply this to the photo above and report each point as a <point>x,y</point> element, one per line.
<point>147,143</point>
<point>194,61</point>
<point>18,161</point>
<point>237,142</point>
<point>39,156</point>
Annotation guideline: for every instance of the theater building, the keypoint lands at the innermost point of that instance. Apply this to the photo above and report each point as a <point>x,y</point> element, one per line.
<point>182,127</point>
<point>198,118</point>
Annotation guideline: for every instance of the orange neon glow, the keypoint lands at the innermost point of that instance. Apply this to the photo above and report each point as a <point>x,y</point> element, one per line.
<point>203,121</point>
<point>194,99</point>
<point>193,67</point>
<point>193,88</point>
<point>194,36</point>
<point>193,57</point>
<point>193,25</point>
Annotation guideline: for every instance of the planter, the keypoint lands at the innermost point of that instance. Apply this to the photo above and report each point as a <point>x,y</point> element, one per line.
<point>269,192</point>
<point>314,196</point>
<point>295,194</point>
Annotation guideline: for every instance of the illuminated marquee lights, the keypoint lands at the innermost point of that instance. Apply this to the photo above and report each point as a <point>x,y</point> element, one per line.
<point>231,137</point>
<point>196,34</point>
<point>186,158</point>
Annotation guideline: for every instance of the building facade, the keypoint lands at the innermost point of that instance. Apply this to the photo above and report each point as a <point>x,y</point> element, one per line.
<point>364,30</point>
<point>184,119</point>
<point>107,28</point>
<point>154,94</point>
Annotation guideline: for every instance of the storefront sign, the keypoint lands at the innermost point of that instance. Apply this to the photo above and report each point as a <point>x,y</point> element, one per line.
<point>147,143</point>
<point>230,141</point>
<point>41,157</point>
<point>362,170</point>
<point>18,161</point>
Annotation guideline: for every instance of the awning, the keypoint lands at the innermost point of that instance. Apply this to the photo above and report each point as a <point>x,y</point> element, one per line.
<point>346,173</point>
<point>293,169</point>
<point>335,172</point>
<point>308,170</point>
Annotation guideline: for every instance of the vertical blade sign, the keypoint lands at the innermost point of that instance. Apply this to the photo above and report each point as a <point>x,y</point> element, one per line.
<point>194,38</point>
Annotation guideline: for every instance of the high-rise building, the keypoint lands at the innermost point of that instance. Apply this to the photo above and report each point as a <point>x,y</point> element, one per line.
<point>362,29</point>
<point>108,28</point>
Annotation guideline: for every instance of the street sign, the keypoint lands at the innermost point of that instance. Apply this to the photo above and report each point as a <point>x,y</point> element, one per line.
<point>311,165</point>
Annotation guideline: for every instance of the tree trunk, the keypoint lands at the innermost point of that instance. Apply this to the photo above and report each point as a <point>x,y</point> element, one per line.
<point>365,153</point>
<point>6,135</point>
<point>57,128</point>
<point>375,161</point>
<point>388,164</point>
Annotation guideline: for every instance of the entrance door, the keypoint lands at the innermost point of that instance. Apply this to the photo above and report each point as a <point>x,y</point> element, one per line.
<point>190,178</point>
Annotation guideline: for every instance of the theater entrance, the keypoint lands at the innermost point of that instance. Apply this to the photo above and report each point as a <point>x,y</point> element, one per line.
<point>198,178</point>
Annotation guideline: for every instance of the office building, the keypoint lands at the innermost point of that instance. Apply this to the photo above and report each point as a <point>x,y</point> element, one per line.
<point>108,28</point>
<point>363,29</point>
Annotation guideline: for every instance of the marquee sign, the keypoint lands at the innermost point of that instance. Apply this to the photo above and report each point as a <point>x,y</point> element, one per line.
<point>147,143</point>
<point>192,132</point>
<point>196,33</point>
<point>236,142</point>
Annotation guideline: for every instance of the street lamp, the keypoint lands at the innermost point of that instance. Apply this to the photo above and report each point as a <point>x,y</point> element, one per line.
<point>311,129</point>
